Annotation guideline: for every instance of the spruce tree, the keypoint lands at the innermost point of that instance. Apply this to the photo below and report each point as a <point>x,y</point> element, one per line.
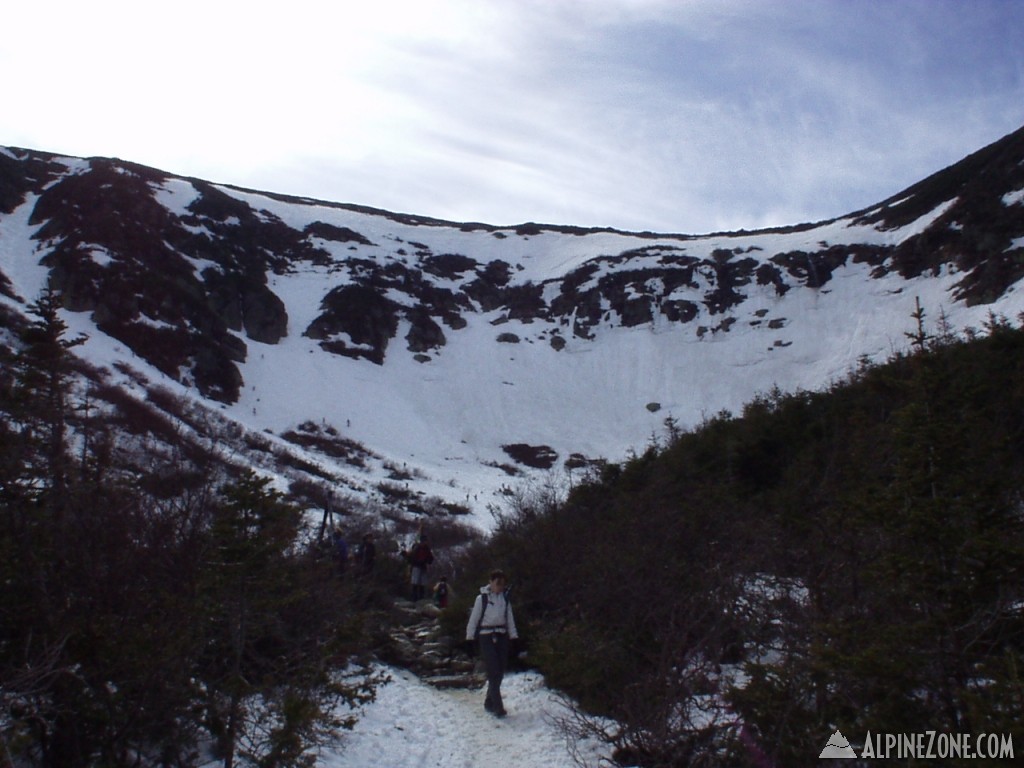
<point>274,618</point>
<point>35,539</point>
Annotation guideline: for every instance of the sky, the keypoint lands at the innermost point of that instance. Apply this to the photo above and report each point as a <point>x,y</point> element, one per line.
<point>685,116</point>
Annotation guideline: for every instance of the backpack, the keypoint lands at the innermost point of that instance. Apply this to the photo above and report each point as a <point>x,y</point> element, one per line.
<point>340,548</point>
<point>486,596</point>
<point>441,594</point>
<point>421,556</point>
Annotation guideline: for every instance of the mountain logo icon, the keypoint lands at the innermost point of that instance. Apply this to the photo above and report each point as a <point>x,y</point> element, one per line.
<point>838,746</point>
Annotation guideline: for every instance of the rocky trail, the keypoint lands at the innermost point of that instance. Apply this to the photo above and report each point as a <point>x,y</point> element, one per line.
<point>430,713</point>
<point>418,645</point>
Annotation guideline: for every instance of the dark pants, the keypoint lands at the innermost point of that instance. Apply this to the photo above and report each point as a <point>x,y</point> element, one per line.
<point>494,653</point>
<point>418,580</point>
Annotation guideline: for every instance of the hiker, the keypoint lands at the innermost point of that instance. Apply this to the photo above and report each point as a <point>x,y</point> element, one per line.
<point>420,557</point>
<point>492,626</point>
<point>366,553</point>
<point>441,593</point>
<point>340,550</point>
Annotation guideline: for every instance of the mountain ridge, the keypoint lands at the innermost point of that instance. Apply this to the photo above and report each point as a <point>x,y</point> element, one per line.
<point>982,154</point>
<point>489,352</point>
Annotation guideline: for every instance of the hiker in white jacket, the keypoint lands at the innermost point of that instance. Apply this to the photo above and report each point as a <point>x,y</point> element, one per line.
<point>492,626</point>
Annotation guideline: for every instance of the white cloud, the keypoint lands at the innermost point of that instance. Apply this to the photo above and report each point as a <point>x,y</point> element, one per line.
<point>655,114</point>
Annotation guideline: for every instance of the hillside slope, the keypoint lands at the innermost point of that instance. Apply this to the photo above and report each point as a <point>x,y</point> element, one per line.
<point>405,358</point>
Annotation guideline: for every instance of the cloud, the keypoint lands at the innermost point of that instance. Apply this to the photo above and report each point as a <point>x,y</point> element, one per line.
<point>640,114</point>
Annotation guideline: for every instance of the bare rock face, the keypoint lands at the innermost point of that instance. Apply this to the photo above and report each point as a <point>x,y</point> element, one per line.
<point>367,319</point>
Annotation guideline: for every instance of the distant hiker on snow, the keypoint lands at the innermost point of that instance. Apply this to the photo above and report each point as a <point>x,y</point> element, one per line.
<point>491,625</point>
<point>419,557</point>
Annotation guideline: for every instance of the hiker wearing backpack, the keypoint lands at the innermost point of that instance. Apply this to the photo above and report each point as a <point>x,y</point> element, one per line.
<point>366,553</point>
<point>339,550</point>
<point>492,626</point>
<point>419,557</point>
<point>441,590</point>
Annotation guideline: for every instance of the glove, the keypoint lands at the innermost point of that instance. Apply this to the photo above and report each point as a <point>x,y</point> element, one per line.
<point>469,646</point>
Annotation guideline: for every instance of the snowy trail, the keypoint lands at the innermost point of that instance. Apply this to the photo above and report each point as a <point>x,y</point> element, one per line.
<point>414,724</point>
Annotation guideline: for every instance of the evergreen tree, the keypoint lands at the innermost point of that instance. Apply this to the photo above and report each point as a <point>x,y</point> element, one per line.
<point>43,369</point>
<point>849,559</point>
<point>36,531</point>
<point>275,620</point>
<point>130,624</point>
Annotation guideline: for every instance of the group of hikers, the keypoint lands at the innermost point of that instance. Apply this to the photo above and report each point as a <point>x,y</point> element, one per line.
<point>491,628</point>
<point>363,558</point>
<point>419,557</point>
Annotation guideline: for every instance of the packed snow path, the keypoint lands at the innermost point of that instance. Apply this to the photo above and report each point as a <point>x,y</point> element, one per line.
<point>415,725</point>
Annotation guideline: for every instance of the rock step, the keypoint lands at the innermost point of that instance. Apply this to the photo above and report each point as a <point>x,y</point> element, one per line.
<point>455,682</point>
<point>417,645</point>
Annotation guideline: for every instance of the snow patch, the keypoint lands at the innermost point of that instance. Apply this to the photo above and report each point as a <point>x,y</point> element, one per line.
<point>176,195</point>
<point>1014,198</point>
